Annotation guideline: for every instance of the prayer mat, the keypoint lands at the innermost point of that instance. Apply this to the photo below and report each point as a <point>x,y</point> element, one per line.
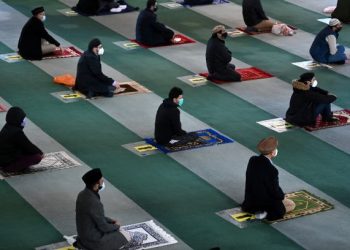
<point>68,12</point>
<point>306,204</point>
<point>247,74</point>
<point>156,236</point>
<point>171,5</point>
<point>194,80</point>
<point>252,33</point>
<point>311,65</point>
<point>131,88</point>
<point>324,20</point>
<point>342,115</point>
<point>329,9</point>
<point>179,39</point>
<point>206,138</point>
<point>127,45</point>
<point>141,148</point>
<point>113,11</point>
<point>55,160</point>
<point>277,124</point>
<point>3,108</point>
<point>237,217</point>
<point>67,52</point>
<point>11,57</point>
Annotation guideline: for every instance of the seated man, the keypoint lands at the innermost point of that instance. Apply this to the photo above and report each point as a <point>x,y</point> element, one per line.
<point>16,151</point>
<point>218,57</point>
<point>308,101</point>
<point>342,11</point>
<point>168,126</point>
<point>149,31</point>
<point>95,230</point>
<point>263,194</point>
<point>95,7</point>
<point>324,49</point>
<point>90,80</point>
<point>34,41</point>
<point>254,16</point>
<point>195,2</point>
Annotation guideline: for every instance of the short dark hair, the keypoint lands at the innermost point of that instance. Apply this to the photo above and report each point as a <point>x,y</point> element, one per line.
<point>175,92</point>
<point>151,3</point>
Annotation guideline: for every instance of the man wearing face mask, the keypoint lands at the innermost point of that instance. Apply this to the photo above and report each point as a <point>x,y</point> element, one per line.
<point>35,41</point>
<point>309,101</point>
<point>263,195</point>
<point>90,79</point>
<point>324,48</point>
<point>17,152</point>
<point>95,230</point>
<point>149,31</point>
<point>168,125</point>
<point>218,57</point>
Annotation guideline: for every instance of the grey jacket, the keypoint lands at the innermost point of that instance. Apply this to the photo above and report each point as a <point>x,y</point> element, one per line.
<point>95,231</point>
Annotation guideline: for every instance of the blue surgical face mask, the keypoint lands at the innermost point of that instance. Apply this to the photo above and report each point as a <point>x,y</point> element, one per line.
<point>23,124</point>
<point>181,102</point>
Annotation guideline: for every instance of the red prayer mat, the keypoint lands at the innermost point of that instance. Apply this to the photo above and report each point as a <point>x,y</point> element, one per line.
<point>178,40</point>
<point>342,115</point>
<point>3,108</point>
<point>246,74</point>
<point>67,52</point>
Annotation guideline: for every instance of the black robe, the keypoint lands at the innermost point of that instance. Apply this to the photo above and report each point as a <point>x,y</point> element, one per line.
<point>304,100</point>
<point>218,58</point>
<point>90,76</point>
<point>262,190</point>
<point>253,12</point>
<point>342,11</point>
<point>29,43</point>
<point>167,125</point>
<point>197,2</point>
<point>13,142</point>
<point>150,32</point>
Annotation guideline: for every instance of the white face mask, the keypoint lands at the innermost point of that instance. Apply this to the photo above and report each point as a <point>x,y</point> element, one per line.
<point>23,124</point>
<point>102,187</point>
<point>314,83</point>
<point>275,153</point>
<point>101,51</point>
<point>43,19</point>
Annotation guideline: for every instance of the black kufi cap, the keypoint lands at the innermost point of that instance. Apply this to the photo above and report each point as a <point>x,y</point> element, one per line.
<point>92,177</point>
<point>38,10</point>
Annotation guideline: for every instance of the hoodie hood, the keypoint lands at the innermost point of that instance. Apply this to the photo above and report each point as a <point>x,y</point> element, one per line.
<point>300,85</point>
<point>169,103</point>
<point>15,116</point>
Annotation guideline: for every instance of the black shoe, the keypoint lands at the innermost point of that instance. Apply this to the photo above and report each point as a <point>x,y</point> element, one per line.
<point>251,29</point>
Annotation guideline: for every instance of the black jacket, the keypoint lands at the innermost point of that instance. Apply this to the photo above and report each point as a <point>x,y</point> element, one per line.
<point>304,100</point>
<point>218,58</point>
<point>90,76</point>
<point>29,43</point>
<point>253,12</point>
<point>13,142</point>
<point>95,230</point>
<point>197,2</point>
<point>262,190</point>
<point>342,11</point>
<point>167,123</point>
<point>87,7</point>
<point>149,31</point>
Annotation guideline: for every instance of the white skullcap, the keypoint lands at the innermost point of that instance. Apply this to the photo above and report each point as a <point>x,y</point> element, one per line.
<point>333,22</point>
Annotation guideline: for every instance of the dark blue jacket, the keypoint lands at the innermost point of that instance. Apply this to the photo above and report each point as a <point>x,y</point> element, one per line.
<point>320,49</point>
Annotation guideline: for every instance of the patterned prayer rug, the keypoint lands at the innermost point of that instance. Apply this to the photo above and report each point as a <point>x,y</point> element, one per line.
<point>205,138</point>
<point>179,39</point>
<point>3,108</point>
<point>55,160</point>
<point>156,236</point>
<point>251,33</point>
<point>342,115</point>
<point>67,52</point>
<point>131,88</point>
<point>247,74</point>
<point>311,65</point>
<point>306,204</point>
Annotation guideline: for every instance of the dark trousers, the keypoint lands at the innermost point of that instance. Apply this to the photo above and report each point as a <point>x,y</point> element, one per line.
<point>324,109</point>
<point>23,162</point>
<point>184,139</point>
<point>229,74</point>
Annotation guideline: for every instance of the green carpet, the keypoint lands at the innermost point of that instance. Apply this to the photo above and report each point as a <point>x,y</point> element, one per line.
<point>21,226</point>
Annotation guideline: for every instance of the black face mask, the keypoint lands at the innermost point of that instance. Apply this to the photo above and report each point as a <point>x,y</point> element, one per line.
<point>155,9</point>
<point>224,35</point>
<point>338,29</point>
